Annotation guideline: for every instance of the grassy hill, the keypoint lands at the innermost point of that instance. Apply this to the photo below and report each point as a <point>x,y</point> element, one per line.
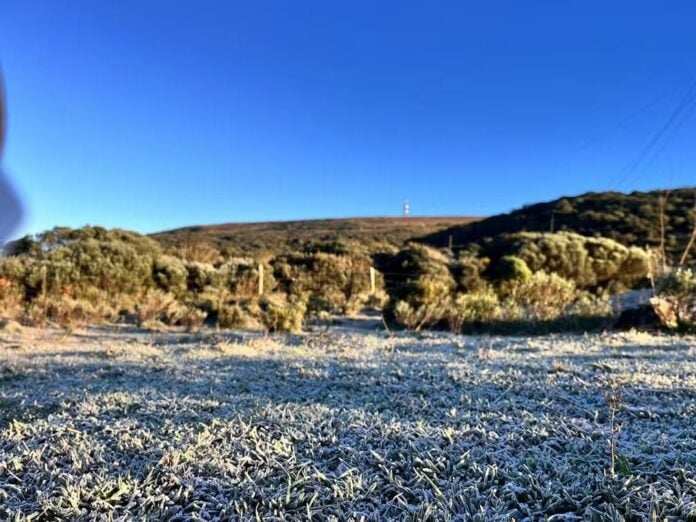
<point>377,234</point>
<point>631,219</point>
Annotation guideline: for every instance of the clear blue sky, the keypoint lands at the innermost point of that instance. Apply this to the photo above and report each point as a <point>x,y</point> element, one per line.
<point>151,114</point>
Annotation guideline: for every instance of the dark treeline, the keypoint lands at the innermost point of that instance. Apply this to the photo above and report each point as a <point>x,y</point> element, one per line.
<point>636,219</point>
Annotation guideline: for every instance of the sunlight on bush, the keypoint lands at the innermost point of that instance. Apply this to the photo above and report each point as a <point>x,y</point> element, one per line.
<point>159,306</point>
<point>543,296</point>
<point>474,308</point>
<point>675,302</point>
<point>282,314</point>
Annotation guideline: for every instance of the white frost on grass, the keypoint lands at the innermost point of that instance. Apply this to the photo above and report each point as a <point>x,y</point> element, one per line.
<point>346,425</point>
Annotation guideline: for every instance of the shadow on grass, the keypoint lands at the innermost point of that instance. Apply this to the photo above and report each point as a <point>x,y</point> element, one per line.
<point>411,383</point>
<point>575,324</point>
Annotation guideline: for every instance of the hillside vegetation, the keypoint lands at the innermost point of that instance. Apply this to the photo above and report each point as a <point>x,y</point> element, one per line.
<point>631,219</point>
<point>275,276</point>
<point>252,239</point>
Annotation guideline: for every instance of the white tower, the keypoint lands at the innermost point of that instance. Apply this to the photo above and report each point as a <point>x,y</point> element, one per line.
<point>407,208</point>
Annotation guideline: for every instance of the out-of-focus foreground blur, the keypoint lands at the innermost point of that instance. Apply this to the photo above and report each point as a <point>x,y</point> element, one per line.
<point>9,204</point>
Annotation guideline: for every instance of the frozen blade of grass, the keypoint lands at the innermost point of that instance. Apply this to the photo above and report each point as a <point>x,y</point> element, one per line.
<point>347,428</point>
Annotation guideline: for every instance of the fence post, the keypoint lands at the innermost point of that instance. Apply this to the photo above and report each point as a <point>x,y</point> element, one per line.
<point>44,291</point>
<point>260,279</point>
<point>372,280</point>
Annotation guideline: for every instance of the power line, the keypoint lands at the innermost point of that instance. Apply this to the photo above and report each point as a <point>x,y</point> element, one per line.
<point>684,106</point>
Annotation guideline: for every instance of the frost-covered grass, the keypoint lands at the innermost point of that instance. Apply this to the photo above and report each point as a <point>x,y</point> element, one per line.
<point>345,425</point>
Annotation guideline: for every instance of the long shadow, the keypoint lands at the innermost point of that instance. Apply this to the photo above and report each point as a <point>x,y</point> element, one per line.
<point>397,385</point>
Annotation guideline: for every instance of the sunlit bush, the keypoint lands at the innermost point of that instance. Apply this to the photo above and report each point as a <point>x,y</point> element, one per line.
<point>473,309</point>
<point>334,282</point>
<point>676,298</point>
<point>158,306</point>
<point>170,274</point>
<point>281,314</point>
<point>510,270</point>
<point>590,262</point>
<point>543,296</point>
<point>419,278</point>
<point>191,318</point>
<point>418,317</point>
<point>200,276</point>
<point>63,310</point>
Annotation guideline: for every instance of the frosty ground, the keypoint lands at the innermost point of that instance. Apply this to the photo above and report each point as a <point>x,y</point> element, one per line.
<point>344,424</point>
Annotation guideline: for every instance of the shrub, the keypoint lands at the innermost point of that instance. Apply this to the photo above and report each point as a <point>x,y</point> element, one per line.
<point>675,303</point>
<point>200,276</point>
<point>115,261</point>
<point>159,306</point>
<point>415,318</point>
<point>63,310</point>
<point>590,262</point>
<point>376,301</point>
<point>334,282</point>
<point>170,274</point>
<point>191,318</point>
<point>589,305</point>
<point>198,252</point>
<point>10,299</point>
<point>281,314</point>
<point>468,273</point>
<point>240,276</point>
<point>421,277</point>
<point>243,314</point>
<point>473,309</point>
<point>510,269</point>
<point>420,285</point>
<point>543,296</point>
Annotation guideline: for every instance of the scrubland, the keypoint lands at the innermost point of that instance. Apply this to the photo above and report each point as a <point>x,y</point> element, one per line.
<point>345,424</point>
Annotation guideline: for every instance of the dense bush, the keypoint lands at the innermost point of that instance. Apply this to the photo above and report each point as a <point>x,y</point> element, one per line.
<point>473,310</point>
<point>590,262</point>
<point>244,314</point>
<point>201,276</point>
<point>420,278</point>
<point>630,219</point>
<point>543,296</point>
<point>468,272</point>
<point>675,302</point>
<point>282,314</point>
<point>170,274</point>
<point>428,288</point>
<point>511,270</point>
<point>240,277</point>
<point>332,282</point>
<point>157,306</point>
<point>114,261</point>
<point>93,274</point>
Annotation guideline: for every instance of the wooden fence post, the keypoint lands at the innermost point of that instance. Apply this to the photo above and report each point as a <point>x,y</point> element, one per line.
<point>260,279</point>
<point>44,291</point>
<point>372,280</point>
